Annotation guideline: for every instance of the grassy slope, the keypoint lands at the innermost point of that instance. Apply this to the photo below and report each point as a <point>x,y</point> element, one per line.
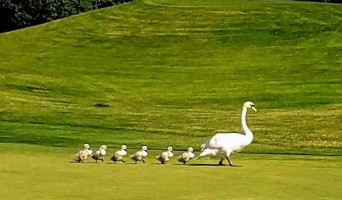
<point>44,173</point>
<point>175,72</point>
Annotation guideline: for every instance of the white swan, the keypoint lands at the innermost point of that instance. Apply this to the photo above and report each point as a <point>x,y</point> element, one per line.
<point>223,144</point>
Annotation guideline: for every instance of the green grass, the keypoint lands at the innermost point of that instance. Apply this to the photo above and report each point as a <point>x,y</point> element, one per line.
<point>37,172</point>
<point>161,72</point>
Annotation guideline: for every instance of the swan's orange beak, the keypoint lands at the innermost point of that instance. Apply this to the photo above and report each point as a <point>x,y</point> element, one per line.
<point>254,108</point>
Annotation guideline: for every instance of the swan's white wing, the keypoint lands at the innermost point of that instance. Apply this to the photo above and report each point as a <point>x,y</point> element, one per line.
<point>226,140</point>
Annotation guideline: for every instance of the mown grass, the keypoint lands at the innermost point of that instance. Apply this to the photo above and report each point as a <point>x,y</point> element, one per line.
<point>38,172</point>
<point>176,72</point>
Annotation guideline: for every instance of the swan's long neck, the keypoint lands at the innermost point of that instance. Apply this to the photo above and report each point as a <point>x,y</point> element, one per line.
<point>248,132</point>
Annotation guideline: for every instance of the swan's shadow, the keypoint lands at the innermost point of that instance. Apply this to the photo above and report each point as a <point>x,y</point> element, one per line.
<point>212,165</point>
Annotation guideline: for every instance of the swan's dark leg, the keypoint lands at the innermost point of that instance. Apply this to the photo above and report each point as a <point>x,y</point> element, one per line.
<point>221,162</point>
<point>230,163</point>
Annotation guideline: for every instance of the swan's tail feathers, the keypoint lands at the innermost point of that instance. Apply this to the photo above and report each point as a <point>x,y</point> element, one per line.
<point>205,145</point>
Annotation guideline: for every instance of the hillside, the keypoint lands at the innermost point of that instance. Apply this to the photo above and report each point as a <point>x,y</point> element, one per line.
<point>162,72</point>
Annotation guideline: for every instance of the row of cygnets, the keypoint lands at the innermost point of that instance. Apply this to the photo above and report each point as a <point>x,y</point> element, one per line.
<point>119,155</point>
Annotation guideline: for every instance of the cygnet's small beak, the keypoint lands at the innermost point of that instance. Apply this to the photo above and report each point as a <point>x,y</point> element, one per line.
<point>254,108</point>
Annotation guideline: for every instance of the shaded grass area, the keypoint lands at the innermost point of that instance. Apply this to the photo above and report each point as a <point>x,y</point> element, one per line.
<point>48,174</point>
<point>176,72</point>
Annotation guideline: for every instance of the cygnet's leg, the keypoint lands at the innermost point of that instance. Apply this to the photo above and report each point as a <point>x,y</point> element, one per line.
<point>113,158</point>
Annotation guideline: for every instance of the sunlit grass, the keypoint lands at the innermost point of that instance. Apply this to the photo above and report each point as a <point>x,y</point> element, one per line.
<point>176,72</point>
<point>31,172</point>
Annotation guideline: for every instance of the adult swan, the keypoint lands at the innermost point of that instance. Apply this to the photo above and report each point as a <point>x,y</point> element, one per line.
<point>223,144</point>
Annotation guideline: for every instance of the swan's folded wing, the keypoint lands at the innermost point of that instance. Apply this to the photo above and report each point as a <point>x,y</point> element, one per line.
<point>225,140</point>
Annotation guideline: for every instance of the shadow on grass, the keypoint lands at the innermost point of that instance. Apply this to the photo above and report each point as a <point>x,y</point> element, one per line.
<point>132,163</point>
<point>118,163</point>
<point>158,163</point>
<point>180,164</point>
<point>73,162</point>
<point>212,165</point>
